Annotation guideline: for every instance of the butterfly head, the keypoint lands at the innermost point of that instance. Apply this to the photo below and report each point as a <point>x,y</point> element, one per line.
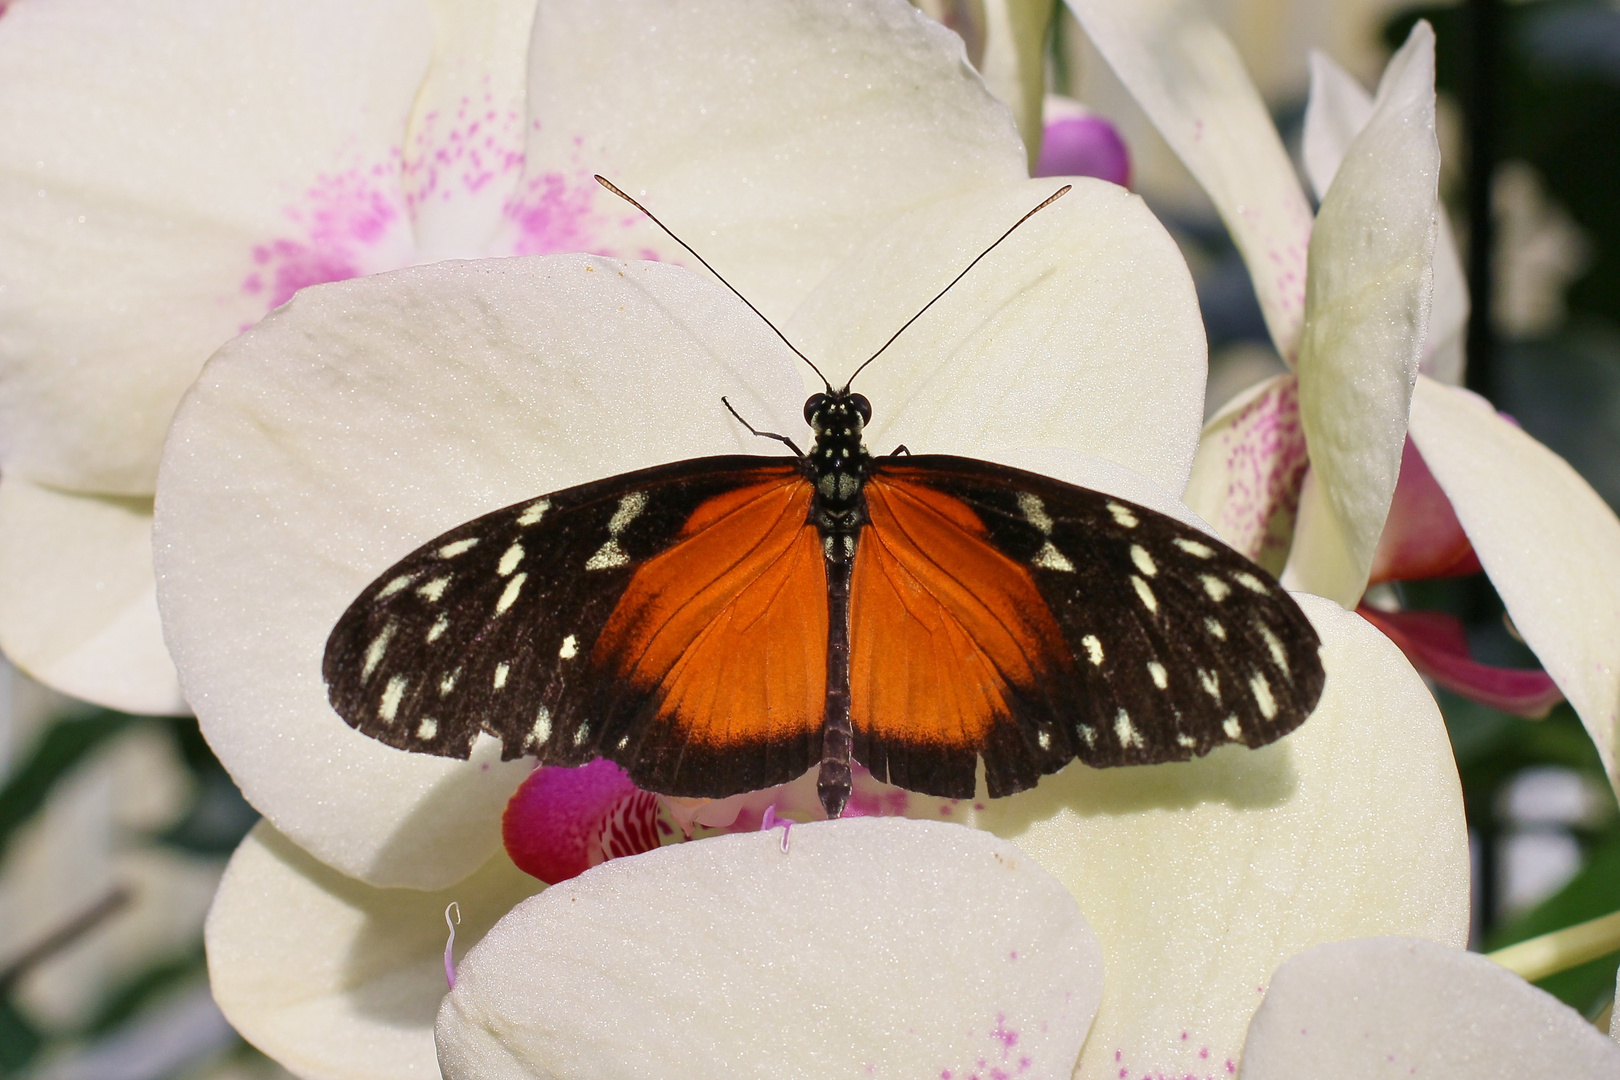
<point>837,412</point>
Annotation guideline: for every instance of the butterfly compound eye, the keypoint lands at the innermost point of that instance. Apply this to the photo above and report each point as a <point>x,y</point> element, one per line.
<point>862,406</point>
<point>812,406</point>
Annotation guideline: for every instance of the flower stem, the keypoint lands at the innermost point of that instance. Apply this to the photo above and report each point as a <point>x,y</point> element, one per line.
<point>1561,950</point>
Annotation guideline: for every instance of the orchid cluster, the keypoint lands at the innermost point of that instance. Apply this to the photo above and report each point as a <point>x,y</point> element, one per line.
<point>1296,910</point>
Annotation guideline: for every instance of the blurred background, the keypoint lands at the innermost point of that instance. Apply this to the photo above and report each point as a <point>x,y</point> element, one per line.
<point>114,829</point>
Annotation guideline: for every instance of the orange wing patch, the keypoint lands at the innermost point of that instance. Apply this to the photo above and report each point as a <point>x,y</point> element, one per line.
<point>729,625</point>
<point>942,625</point>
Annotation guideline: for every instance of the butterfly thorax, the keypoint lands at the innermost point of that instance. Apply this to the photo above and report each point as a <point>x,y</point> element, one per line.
<point>838,462</point>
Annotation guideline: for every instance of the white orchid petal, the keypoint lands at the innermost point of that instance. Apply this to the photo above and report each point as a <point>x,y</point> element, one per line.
<point>772,147</point>
<point>1014,62</point>
<point>873,946</point>
<point>463,152</point>
<point>1247,472</point>
<point>161,186</point>
<point>1367,311</point>
<point>1200,878</point>
<point>1550,544</point>
<point>1187,77</point>
<point>336,979</point>
<point>78,604</point>
<point>1389,1006</point>
<point>363,420</point>
<point>1080,331</point>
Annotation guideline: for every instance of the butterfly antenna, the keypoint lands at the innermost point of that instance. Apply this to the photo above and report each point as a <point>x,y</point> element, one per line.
<point>1050,199</point>
<point>605,182</point>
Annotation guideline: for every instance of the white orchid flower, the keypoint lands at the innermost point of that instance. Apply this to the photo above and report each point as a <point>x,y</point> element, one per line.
<point>1548,542</point>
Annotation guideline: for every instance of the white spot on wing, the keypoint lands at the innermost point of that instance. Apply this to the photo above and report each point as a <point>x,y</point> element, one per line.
<point>1094,649</point>
<point>1126,731</point>
<point>1187,740</point>
<point>1211,681</point>
<point>393,587</point>
<point>1262,695</point>
<point>1149,601</point>
<point>534,512</point>
<point>1194,548</point>
<point>436,631</point>
<point>433,589</point>
<point>1088,733</point>
<point>1122,515</point>
<point>1044,738</point>
<point>1279,655</point>
<point>1050,558</point>
<point>510,559</point>
<point>388,708</point>
<point>510,594</point>
<point>607,556</point>
<point>1144,561</point>
<point>501,671</point>
<point>1218,590</point>
<point>427,729</point>
<point>450,551</point>
<point>448,683</point>
<point>1161,678</point>
<point>374,651</point>
<point>630,507</point>
<point>624,741</point>
<point>570,647</point>
<point>1034,512</point>
<point>582,733</point>
<point>1216,630</point>
<point>1233,729</point>
<point>1250,582</point>
<point>542,728</point>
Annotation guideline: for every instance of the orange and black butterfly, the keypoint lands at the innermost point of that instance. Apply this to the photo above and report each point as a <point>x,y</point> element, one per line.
<point>723,624</point>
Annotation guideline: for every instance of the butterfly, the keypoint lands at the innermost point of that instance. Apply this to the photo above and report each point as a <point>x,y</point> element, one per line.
<point>724,624</point>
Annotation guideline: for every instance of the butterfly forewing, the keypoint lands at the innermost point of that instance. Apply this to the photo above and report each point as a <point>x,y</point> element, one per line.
<point>1171,643</point>
<point>506,625</point>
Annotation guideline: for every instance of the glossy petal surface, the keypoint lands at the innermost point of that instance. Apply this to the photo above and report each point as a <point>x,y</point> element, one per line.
<point>1200,878</point>
<point>871,946</point>
<point>1550,544</point>
<point>336,979</point>
<point>1389,1006</point>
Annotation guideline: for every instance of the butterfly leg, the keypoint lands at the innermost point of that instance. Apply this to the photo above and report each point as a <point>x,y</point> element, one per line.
<point>833,780</point>
<point>762,434</point>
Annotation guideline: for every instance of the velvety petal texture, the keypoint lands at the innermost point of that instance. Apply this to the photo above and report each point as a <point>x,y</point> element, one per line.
<point>371,415</point>
<point>1366,313</point>
<point>1186,75</point>
<point>336,979</point>
<point>1391,1006</point>
<point>869,946</point>
<point>1201,878</point>
<point>1550,544</point>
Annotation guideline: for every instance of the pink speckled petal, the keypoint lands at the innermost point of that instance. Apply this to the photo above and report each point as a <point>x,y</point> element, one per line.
<point>561,822</point>
<point>870,947</point>
<point>1422,537</point>
<point>1550,544</point>
<point>169,171</point>
<point>336,979</point>
<point>1366,314</point>
<point>1382,1007</point>
<point>1337,111</point>
<point>1200,878</point>
<point>1438,647</point>
<point>1081,331</point>
<point>1247,473</point>
<point>773,147</point>
<point>369,416</point>
<point>78,604</point>
<point>1187,77</point>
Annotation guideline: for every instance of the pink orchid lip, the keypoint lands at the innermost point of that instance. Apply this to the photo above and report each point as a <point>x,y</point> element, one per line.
<point>1436,645</point>
<point>1084,146</point>
<point>1422,537</point>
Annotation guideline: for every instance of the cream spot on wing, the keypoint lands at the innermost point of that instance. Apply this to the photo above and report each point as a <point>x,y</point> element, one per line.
<point>427,729</point>
<point>433,589</point>
<point>570,647</point>
<point>542,728</point>
<point>1161,677</point>
<point>1034,512</point>
<point>1149,601</point>
<point>1279,655</point>
<point>1233,729</point>
<point>1218,590</point>
<point>1186,740</point>
<point>624,741</point>
<point>1215,629</point>
<point>374,651</point>
<point>607,556</point>
<point>1144,561</point>
<point>510,559</point>
<point>1088,733</point>
<point>1250,582</point>
<point>630,507</point>
<point>1194,548</point>
<point>1262,696</point>
<point>501,671</point>
<point>448,683</point>
<point>388,708</point>
<point>1126,731</point>
<point>510,594</point>
<point>1122,515</point>
<point>1044,739</point>
<point>1094,650</point>
<point>1211,681</point>
<point>1051,558</point>
<point>534,512</point>
<point>582,733</point>
<point>436,631</point>
<point>393,587</point>
<point>450,551</point>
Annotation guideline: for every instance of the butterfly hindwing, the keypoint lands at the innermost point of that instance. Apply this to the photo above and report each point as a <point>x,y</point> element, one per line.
<point>498,625</point>
<point>1169,643</point>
